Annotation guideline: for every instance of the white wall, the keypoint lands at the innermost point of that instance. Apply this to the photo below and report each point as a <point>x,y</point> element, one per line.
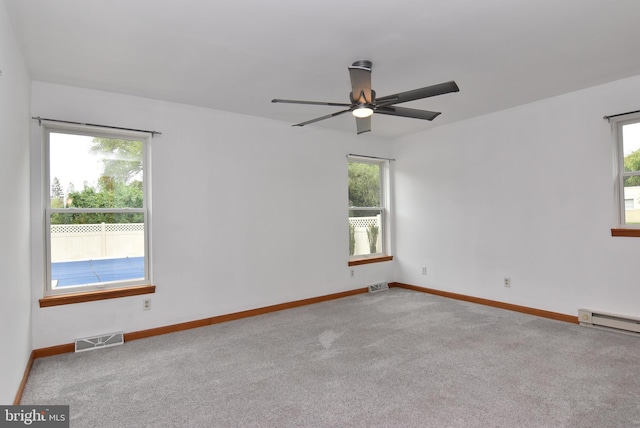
<point>502,195</point>
<point>219,181</point>
<point>15,313</point>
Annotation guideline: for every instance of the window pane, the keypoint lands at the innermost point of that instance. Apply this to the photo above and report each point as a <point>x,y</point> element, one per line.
<point>631,147</point>
<point>365,232</point>
<point>96,248</point>
<point>364,185</point>
<point>94,172</point>
<point>632,200</point>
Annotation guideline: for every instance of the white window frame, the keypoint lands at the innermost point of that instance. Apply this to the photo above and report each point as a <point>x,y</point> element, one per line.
<point>95,131</point>
<point>616,126</point>
<point>384,208</point>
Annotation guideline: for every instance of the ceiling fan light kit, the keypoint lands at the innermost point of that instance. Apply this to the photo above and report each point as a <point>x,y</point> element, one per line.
<point>362,111</point>
<point>364,102</point>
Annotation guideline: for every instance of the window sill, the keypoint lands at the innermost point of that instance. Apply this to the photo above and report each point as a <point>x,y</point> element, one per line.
<point>635,233</point>
<point>367,260</point>
<point>91,296</point>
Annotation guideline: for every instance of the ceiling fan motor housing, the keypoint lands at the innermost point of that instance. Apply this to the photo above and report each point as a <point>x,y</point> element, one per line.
<point>363,63</point>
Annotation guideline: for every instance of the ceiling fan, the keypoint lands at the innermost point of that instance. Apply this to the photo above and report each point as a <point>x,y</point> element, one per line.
<point>364,101</point>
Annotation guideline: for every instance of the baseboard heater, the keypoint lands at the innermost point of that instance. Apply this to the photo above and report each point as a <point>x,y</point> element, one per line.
<point>102,341</point>
<point>603,320</point>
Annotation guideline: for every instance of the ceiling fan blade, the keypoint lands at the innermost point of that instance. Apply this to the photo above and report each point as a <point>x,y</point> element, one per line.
<point>408,112</point>
<point>417,94</point>
<point>360,74</point>
<point>316,103</point>
<point>318,119</point>
<point>363,124</point>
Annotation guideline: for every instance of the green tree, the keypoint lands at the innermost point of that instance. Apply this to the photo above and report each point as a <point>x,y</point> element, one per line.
<point>364,185</point>
<point>109,195</point>
<point>122,159</point>
<point>56,189</point>
<point>58,201</point>
<point>119,186</point>
<point>372,235</point>
<point>61,218</point>
<point>632,163</point>
<point>352,239</point>
<point>57,195</point>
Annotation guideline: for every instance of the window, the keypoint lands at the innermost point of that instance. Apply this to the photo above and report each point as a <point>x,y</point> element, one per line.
<point>96,212</point>
<point>628,204</point>
<point>627,136</point>
<point>367,213</point>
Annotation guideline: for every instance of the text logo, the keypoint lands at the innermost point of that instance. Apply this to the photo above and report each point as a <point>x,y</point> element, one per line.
<point>34,416</point>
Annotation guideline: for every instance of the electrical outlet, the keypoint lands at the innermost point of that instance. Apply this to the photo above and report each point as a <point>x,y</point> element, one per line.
<point>507,282</point>
<point>424,270</point>
<point>352,273</point>
<point>146,304</point>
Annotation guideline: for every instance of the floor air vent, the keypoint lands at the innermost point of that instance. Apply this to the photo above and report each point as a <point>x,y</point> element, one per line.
<point>102,341</point>
<point>612,322</point>
<point>378,287</point>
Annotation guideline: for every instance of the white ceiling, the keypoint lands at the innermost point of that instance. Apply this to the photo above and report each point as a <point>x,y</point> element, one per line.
<point>238,55</point>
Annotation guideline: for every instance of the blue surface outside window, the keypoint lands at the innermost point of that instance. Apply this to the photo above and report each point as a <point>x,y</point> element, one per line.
<point>96,271</point>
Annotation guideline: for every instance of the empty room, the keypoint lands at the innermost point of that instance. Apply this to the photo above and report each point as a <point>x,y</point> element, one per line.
<point>329,213</point>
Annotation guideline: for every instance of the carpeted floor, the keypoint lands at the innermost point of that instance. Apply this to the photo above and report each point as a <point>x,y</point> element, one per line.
<point>396,358</point>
